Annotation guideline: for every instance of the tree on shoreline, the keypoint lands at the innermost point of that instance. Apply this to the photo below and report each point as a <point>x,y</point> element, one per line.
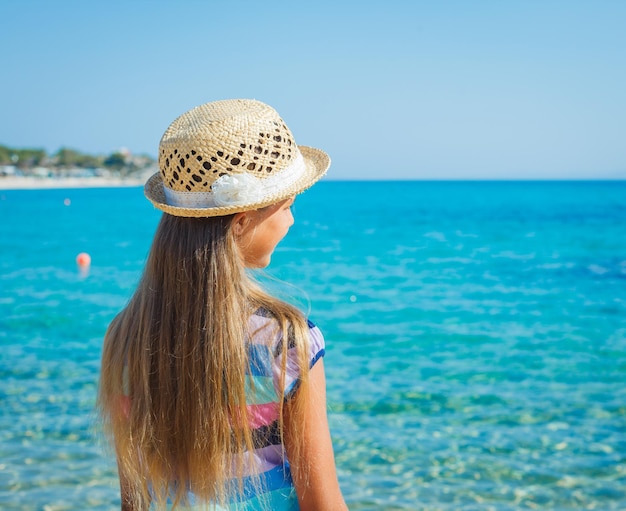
<point>66,157</point>
<point>21,158</point>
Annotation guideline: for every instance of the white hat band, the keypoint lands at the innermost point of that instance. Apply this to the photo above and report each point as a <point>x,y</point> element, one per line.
<point>238,189</point>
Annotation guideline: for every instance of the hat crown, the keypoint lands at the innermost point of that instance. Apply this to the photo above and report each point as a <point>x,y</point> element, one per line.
<point>225,138</point>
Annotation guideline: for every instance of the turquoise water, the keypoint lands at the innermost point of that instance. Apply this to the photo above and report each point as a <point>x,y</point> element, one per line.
<point>476,339</point>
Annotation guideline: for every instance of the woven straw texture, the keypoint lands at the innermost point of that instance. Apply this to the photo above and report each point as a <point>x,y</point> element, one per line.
<point>231,137</point>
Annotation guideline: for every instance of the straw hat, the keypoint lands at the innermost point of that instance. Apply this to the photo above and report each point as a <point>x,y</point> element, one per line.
<point>229,156</point>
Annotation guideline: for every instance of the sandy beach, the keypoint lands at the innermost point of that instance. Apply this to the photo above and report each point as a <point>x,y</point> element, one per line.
<point>34,183</point>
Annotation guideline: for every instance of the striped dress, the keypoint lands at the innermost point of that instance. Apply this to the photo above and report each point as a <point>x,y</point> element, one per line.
<point>273,488</point>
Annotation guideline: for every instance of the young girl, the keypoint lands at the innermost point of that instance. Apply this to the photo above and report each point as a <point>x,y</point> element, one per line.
<point>212,390</point>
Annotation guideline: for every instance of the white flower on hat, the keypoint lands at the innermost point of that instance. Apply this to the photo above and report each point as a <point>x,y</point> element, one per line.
<point>237,190</point>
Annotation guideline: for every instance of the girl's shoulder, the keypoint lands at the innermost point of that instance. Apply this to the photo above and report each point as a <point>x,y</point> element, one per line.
<point>264,317</point>
<point>265,329</point>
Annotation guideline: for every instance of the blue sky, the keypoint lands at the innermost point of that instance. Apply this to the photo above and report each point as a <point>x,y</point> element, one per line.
<point>391,89</point>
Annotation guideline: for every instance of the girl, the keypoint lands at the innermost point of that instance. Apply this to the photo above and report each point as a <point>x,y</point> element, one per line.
<point>212,390</point>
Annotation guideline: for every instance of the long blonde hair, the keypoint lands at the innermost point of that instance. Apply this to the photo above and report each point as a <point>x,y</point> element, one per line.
<point>178,351</point>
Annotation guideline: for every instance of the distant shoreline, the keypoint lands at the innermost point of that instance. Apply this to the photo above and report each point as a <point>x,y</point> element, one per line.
<point>43,183</point>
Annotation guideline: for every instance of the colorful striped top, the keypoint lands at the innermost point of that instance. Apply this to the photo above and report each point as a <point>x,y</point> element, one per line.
<point>273,488</point>
<point>265,371</point>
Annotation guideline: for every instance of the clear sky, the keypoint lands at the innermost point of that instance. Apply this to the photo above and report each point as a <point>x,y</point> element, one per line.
<point>390,88</point>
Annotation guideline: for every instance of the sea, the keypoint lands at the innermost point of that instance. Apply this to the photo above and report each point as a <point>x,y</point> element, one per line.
<point>476,339</point>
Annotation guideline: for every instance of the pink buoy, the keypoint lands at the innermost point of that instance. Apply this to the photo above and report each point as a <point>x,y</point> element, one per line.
<point>83,260</point>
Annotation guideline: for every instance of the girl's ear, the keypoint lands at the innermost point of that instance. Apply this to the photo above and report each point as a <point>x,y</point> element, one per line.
<point>240,222</point>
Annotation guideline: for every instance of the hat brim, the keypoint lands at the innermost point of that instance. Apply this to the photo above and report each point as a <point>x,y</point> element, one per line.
<point>316,161</point>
